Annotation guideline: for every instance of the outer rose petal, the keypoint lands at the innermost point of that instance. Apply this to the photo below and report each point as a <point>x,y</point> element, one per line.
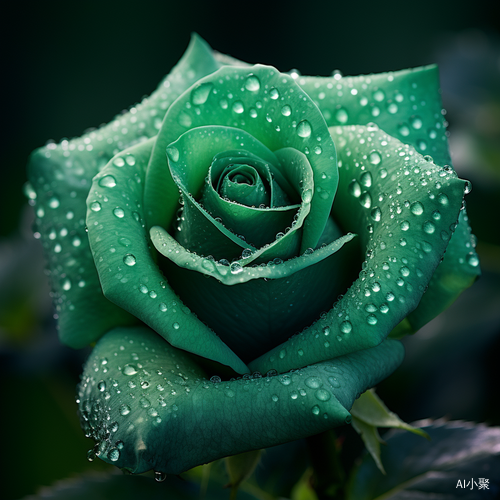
<point>149,406</point>
<point>61,177</point>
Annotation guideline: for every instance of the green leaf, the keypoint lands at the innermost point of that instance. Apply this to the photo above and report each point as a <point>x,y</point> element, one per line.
<point>60,177</point>
<point>149,406</point>
<point>401,205</point>
<point>240,467</point>
<point>264,103</point>
<point>419,469</point>
<point>127,271</point>
<point>369,412</point>
<point>117,486</point>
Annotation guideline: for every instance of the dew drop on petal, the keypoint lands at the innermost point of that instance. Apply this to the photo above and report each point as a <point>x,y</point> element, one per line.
<point>252,83</point>
<point>304,129</point>
<point>129,259</point>
<point>107,181</point>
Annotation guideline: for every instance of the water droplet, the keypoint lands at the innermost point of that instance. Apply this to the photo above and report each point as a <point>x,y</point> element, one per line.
<point>160,476</point>
<point>274,93</point>
<point>95,206</point>
<point>341,115</point>
<point>365,200</point>
<point>366,179</point>
<point>405,271</point>
<point>314,382</point>
<point>422,145</point>
<point>345,327</point>
<point>304,129</point>
<point>376,214</point>
<point>124,410</point>
<point>392,108</point>
<point>173,153</point>
<point>416,122</point>
<point>472,260</point>
<point>348,419</point>
<point>53,202</point>
<point>101,386</point>
<point>215,379</point>
<point>307,196</point>
<point>318,150</point>
<point>114,454</point>
<point>285,379</point>
<point>119,162</point>
<point>405,225</point>
<point>286,110</point>
<point>322,395</point>
<point>384,308</point>
<point>467,187</point>
<point>163,307</point>
<point>275,398</point>
<point>315,410</point>
<point>404,130</point>
<point>107,181</point>
<point>184,119</point>
<point>235,268</point>
<point>125,242</point>
<point>354,188</point>
<point>374,158</point>
<point>118,212</point>
<point>389,296</point>
<point>129,259</point>
<point>238,107</point>
<point>371,319</point>
<point>443,199</point>
<point>379,95</point>
<point>252,83</point>
<point>428,227</point>
<point>200,94</point>
<point>129,370</point>
<point>417,208</point>
<point>175,326</point>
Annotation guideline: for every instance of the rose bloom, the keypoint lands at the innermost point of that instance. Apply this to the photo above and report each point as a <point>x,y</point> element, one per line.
<point>247,269</point>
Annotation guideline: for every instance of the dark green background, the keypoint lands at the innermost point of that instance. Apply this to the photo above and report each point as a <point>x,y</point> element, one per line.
<point>69,66</point>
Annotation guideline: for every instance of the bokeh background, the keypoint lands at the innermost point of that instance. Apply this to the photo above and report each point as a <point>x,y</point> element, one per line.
<point>68,66</point>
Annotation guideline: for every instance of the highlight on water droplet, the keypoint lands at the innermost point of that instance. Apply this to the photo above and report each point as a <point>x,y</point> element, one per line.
<point>199,95</point>
<point>252,83</point>
<point>274,93</point>
<point>417,208</point>
<point>341,115</point>
<point>374,158</point>
<point>173,153</point>
<point>238,107</point>
<point>304,129</point>
<point>286,110</point>
<point>119,212</point>
<point>95,206</point>
<point>129,259</point>
<point>107,181</point>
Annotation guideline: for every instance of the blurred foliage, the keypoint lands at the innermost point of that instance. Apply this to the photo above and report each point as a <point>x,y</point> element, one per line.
<point>75,66</point>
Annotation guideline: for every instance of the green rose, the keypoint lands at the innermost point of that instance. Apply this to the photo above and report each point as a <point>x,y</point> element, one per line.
<point>244,263</point>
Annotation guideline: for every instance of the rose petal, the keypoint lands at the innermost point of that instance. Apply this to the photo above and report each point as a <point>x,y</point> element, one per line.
<point>403,207</point>
<point>149,406</point>
<point>267,105</point>
<point>61,175</point>
<point>407,105</point>
<point>128,274</point>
